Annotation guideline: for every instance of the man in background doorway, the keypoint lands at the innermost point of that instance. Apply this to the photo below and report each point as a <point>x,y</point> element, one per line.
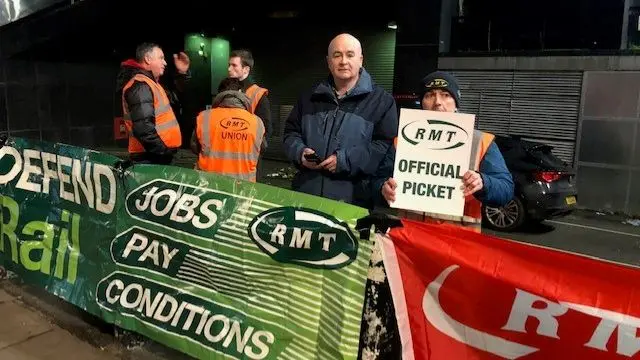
<point>241,64</point>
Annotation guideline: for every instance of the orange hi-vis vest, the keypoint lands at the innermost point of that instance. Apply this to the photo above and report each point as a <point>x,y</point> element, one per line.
<point>166,123</point>
<point>255,93</point>
<point>472,218</point>
<point>230,140</point>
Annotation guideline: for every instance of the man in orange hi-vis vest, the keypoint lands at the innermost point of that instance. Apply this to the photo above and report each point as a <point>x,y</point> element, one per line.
<point>240,65</point>
<point>488,181</point>
<point>154,132</point>
<point>228,138</point>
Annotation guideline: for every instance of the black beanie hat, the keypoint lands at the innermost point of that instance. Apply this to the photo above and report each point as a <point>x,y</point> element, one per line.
<point>441,80</point>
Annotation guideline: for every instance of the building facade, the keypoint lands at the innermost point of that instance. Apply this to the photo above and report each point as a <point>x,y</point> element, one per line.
<point>567,78</point>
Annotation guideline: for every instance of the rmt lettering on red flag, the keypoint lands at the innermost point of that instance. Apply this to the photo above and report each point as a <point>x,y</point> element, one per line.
<point>461,295</point>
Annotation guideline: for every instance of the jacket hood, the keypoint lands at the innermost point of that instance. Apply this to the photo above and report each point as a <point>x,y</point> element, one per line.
<point>231,99</point>
<point>128,69</point>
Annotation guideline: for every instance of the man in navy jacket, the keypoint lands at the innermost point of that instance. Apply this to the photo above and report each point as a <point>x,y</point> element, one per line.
<point>348,122</point>
<point>491,185</point>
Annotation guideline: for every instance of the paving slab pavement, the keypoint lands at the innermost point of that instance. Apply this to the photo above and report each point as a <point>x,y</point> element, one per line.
<point>26,334</point>
<point>87,329</point>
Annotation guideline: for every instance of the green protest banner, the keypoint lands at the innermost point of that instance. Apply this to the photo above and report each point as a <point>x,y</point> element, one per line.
<point>213,267</point>
<point>59,210</point>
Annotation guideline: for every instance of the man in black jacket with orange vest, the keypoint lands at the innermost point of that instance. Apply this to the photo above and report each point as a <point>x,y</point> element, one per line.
<point>240,65</point>
<point>147,106</point>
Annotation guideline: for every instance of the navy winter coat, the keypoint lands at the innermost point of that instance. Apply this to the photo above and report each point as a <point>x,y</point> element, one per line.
<point>359,128</point>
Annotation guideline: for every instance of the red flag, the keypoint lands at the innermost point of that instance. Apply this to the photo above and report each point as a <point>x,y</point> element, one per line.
<point>463,295</point>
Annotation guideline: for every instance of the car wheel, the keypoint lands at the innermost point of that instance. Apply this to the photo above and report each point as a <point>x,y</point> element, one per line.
<point>505,218</point>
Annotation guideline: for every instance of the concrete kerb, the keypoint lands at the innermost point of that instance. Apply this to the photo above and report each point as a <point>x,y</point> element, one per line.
<point>85,326</point>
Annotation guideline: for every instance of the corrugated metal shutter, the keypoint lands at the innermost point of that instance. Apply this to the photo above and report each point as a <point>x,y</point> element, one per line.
<point>540,106</point>
<point>379,56</point>
<point>275,143</point>
<point>494,113</point>
<point>286,78</point>
<point>561,149</point>
<point>488,100</point>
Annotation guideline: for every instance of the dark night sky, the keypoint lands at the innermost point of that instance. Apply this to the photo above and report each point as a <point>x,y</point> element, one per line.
<point>96,25</point>
<point>564,24</point>
<point>106,29</point>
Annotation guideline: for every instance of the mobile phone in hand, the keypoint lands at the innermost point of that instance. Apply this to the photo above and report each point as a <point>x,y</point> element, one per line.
<point>312,158</point>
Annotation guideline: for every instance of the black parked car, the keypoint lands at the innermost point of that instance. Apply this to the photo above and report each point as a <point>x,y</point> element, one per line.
<point>544,185</point>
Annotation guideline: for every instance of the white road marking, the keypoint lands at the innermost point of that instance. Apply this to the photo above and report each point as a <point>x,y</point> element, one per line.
<point>594,228</point>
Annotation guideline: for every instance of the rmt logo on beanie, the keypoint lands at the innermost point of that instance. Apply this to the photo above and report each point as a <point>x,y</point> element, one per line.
<point>438,83</point>
<point>444,81</point>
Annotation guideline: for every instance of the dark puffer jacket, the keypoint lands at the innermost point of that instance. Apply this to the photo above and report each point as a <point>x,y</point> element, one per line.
<point>139,98</point>
<point>358,128</point>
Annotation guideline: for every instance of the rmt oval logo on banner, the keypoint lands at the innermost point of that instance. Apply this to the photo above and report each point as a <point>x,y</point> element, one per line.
<point>305,237</point>
<point>437,134</point>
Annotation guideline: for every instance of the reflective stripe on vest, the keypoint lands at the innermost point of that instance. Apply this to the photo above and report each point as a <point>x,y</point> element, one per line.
<point>230,142</point>
<point>255,93</point>
<point>166,124</point>
<point>472,218</point>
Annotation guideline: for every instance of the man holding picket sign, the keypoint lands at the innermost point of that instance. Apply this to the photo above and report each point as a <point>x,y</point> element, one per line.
<point>488,181</point>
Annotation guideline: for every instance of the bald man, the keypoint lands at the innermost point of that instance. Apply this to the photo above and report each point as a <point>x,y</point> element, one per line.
<point>339,131</point>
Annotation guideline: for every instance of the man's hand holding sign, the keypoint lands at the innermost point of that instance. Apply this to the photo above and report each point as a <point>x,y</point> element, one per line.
<point>442,168</point>
<point>472,182</point>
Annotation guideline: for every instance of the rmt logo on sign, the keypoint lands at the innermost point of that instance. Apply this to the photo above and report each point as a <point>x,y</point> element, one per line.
<point>304,237</point>
<point>440,135</point>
